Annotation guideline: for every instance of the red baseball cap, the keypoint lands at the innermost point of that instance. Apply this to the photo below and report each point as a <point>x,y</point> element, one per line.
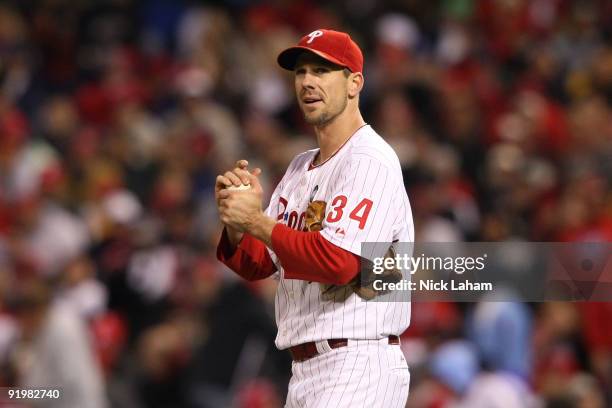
<point>334,46</point>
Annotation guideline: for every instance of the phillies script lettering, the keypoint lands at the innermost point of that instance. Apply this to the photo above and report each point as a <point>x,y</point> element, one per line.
<point>359,213</point>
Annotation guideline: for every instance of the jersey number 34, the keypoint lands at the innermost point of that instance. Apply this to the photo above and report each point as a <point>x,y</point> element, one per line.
<point>360,213</point>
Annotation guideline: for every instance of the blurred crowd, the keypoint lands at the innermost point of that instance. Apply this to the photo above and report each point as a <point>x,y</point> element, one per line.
<point>116,116</point>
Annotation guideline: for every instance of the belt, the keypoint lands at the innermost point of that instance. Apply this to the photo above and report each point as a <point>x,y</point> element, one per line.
<point>306,351</point>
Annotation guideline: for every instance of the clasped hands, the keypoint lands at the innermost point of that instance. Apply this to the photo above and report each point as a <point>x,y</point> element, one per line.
<point>240,210</point>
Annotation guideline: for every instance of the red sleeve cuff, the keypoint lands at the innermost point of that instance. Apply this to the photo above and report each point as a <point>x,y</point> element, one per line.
<point>249,259</point>
<point>225,250</point>
<point>308,256</point>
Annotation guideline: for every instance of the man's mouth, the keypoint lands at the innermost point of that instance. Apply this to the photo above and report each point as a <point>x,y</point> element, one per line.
<point>310,100</point>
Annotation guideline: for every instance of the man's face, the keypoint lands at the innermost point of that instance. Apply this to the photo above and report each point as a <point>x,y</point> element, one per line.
<point>321,88</point>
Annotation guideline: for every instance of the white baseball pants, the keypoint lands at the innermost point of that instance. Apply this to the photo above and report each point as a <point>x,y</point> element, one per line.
<point>365,373</point>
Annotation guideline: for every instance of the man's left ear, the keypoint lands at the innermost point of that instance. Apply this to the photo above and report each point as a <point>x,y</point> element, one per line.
<point>355,84</point>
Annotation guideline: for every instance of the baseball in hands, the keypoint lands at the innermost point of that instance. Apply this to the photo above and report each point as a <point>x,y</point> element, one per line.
<point>239,188</point>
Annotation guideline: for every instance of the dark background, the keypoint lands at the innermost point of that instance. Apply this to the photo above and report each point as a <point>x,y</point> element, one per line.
<point>116,116</point>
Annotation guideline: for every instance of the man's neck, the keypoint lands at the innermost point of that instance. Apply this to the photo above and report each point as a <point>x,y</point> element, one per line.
<point>332,135</point>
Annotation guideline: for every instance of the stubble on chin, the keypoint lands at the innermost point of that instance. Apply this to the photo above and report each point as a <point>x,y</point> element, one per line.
<point>318,120</point>
<point>324,117</point>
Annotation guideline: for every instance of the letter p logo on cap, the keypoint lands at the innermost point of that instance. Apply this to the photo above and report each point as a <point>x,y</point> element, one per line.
<point>313,35</point>
<point>334,46</point>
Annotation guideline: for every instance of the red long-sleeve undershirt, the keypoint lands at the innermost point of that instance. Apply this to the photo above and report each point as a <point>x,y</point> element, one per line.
<point>304,255</point>
<point>250,259</point>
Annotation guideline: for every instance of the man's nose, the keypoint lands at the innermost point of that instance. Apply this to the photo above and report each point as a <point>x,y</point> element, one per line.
<point>308,80</point>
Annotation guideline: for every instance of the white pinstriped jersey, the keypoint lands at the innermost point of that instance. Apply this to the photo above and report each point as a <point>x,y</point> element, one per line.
<point>366,202</point>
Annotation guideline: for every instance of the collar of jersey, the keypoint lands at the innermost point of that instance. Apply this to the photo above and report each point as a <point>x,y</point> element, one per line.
<point>311,166</point>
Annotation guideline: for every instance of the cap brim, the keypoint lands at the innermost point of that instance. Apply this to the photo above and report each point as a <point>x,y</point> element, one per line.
<point>288,58</point>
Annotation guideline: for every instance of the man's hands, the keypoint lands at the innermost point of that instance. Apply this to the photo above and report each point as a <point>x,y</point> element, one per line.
<point>236,177</point>
<point>241,210</point>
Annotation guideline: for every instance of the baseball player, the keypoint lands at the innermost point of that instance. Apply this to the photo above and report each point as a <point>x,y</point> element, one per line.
<point>350,190</point>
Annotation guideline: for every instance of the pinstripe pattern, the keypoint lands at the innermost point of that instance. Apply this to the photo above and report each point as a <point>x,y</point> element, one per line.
<point>366,167</point>
<point>373,375</point>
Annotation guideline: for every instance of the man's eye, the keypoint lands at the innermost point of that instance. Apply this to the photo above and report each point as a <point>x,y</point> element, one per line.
<point>321,70</point>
